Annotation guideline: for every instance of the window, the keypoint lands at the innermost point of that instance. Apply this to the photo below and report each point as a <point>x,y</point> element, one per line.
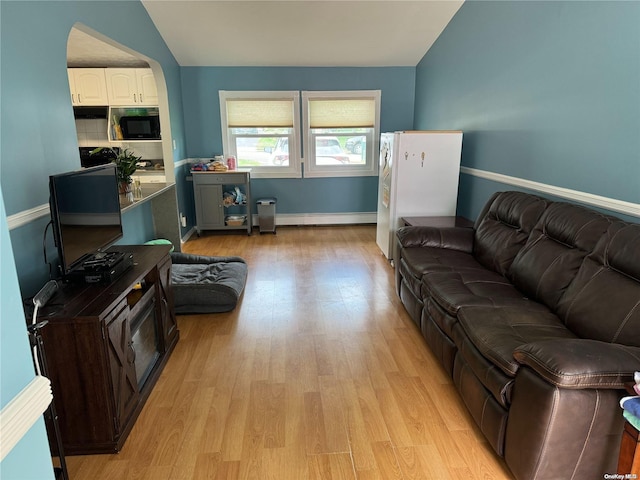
<point>261,131</point>
<point>341,131</point>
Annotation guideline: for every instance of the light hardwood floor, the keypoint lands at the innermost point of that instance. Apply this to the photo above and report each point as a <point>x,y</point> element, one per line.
<point>317,374</point>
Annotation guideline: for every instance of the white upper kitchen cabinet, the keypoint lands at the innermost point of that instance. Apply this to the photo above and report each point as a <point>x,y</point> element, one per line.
<point>147,86</point>
<point>131,86</point>
<point>88,86</point>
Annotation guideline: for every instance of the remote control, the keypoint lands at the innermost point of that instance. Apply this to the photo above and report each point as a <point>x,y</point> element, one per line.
<point>45,293</point>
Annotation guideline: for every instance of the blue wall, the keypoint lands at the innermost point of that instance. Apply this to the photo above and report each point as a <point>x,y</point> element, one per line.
<point>37,124</point>
<point>39,139</point>
<point>544,91</point>
<point>307,195</point>
<point>30,457</point>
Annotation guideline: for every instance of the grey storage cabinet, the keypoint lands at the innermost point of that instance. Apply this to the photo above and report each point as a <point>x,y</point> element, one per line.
<point>211,211</point>
<point>267,215</point>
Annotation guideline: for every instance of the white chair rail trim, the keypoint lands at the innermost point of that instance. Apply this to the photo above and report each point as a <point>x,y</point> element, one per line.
<point>22,218</point>
<point>612,204</point>
<point>21,413</point>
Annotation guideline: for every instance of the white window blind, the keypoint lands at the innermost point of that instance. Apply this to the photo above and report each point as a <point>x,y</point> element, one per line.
<point>249,113</point>
<point>342,113</point>
<point>261,128</point>
<point>340,132</point>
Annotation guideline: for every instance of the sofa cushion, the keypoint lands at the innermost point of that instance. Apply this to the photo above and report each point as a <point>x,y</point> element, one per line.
<point>497,332</point>
<point>472,287</point>
<point>415,262</point>
<point>603,302</point>
<point>550,260</point>
<point>505,227</point>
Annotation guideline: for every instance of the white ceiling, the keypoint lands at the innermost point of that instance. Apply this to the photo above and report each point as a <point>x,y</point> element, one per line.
<point>84,50</point>
<point>285,33</point>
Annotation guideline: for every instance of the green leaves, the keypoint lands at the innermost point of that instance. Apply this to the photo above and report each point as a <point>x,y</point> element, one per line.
<point>126,164</point>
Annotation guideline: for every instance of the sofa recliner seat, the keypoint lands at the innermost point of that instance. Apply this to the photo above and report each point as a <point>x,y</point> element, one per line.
<point>539,326</point>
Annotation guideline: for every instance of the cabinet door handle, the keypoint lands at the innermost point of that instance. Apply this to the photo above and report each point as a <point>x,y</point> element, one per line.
<point>73,98</point>
<point>141,100</point>
<point>135,98</point>
<point>133,350</point>
<point>79,99</point>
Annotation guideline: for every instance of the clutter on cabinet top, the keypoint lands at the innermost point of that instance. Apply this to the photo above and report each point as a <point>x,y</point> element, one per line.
<point>218,167</point>
<point>215,166</point>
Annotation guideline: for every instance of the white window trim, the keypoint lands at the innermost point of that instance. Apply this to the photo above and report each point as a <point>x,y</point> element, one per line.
<point>293,170</point>
<point>371,167</point>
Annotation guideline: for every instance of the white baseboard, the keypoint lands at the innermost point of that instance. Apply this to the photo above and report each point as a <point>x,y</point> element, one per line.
<point>612,204</point>
<point>323,218</point>
<point>188,235</point>
<point>299,219</point>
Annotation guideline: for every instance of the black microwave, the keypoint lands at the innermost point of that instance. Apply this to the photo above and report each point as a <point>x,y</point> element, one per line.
<point>140,127</point>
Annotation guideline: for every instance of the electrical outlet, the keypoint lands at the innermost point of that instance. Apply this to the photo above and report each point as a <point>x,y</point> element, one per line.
<point>183,220</point>
<point>175,146</point>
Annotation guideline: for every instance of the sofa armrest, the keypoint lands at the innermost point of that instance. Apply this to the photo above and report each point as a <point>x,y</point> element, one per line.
<point>581,363</point>
<point>179,257</point>
<point>453,238</point>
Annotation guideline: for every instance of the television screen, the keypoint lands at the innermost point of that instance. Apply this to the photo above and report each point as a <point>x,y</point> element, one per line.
<point>85,211</point>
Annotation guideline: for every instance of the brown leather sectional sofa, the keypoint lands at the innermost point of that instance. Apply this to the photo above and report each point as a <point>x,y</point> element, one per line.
<point>535,313</point>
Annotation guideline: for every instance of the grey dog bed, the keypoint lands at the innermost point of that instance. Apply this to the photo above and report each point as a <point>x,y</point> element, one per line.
<point>204,284</point>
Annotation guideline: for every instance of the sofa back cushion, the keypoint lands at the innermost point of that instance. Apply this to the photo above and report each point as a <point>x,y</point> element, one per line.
<point>603,302</point>
<point>504,228</point>
<point>554,252</point>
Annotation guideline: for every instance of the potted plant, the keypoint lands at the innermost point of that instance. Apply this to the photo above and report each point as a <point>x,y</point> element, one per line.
<point>126,164</point>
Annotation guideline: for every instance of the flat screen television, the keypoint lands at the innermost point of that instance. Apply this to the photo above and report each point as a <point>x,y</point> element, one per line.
<point>85,213</point>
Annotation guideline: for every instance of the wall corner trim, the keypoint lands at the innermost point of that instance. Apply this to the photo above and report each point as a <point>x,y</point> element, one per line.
<point>27,216</point>
<point>22,412</point>
<point>607,203</point>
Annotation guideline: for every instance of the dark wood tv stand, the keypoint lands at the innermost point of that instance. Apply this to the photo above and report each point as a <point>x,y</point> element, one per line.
<point>105,346</point>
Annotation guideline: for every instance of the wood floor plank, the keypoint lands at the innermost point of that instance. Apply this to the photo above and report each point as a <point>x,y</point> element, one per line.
<point>234,429</point>
<point>422,462</point>
<point>315,434</point>
<point>319,373</point>
<point>416,408</point>
<point>275,415</point>
<point>335,466</point>
<point>386,464</point>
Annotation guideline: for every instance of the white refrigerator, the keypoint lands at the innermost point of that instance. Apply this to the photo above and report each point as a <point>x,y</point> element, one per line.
<point>418,176</point>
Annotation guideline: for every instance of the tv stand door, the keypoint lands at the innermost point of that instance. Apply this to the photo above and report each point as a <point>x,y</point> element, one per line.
<point>167,313</point>
<point>122,363</point>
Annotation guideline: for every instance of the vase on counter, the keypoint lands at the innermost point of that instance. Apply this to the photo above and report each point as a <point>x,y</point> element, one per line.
<point>137,189</point>
<point>125,188</point>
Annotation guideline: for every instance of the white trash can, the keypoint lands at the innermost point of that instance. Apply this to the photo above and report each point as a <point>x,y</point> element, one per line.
<point>267,215</point>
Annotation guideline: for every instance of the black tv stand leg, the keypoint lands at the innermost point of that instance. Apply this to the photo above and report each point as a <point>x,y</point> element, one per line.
<point>50,414</point>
